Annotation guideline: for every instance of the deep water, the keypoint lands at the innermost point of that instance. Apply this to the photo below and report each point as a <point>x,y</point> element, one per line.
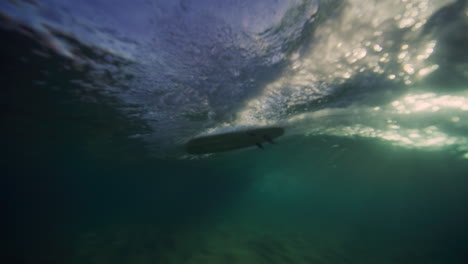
<point>96,107</point>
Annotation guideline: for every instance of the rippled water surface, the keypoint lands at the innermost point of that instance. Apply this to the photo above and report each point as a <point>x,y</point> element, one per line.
<point>99,98</point>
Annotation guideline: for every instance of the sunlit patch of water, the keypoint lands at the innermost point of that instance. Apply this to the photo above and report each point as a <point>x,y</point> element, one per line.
<point>423,121</point>
<point>355,43</point>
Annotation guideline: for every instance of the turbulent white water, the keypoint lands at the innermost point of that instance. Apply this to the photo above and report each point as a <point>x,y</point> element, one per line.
<point>344,68</point>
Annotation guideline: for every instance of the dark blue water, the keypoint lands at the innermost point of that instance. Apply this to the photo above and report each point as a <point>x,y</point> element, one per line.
<point>99,98</point>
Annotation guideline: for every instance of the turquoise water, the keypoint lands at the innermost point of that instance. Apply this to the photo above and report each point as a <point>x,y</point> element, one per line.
<point>99,98</point>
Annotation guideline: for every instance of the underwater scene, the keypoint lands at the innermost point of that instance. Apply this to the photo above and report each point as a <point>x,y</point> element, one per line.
<point>234,131</point>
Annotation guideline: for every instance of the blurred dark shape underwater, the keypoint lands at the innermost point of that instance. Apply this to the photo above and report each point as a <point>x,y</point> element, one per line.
<point>99,98</point>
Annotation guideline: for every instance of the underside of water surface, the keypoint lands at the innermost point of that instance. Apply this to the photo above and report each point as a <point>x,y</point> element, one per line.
<point>98,100</point>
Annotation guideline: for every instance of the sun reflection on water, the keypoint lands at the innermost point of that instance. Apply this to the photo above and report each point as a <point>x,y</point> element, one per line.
<point>429,102</point>
<point>423,121</point>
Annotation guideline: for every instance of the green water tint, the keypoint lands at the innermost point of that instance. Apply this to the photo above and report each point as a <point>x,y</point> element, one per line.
<point>308,200</point>
<point>81,186</point>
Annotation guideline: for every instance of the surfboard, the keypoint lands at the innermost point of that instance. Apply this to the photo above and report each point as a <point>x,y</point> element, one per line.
<point>233,140</point>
